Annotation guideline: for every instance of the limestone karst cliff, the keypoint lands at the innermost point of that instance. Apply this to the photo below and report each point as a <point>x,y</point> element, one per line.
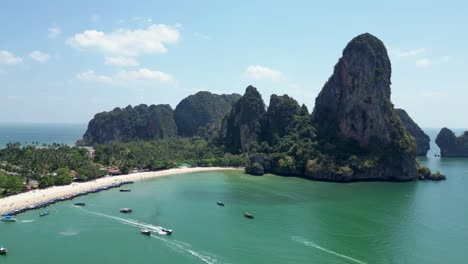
<point>422,139</point>
<point>356,122</point>
<point>450,145</point>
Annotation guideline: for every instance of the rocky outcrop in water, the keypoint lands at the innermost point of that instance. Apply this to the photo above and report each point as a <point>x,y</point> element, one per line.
<point>201,110</point>
<point>141,122</point>
<point>450,145</point>
<point>360,134</point>
<point>241,126</point>
<point>422,139</point>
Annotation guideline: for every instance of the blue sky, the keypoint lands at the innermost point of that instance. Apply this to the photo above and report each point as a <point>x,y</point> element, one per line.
<point>64,62</point>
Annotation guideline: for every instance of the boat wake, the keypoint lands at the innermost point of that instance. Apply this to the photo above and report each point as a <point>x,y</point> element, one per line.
<point>178,246</point>
<point>69,233</point>
<point>27,221</point>
<point>312,244</point>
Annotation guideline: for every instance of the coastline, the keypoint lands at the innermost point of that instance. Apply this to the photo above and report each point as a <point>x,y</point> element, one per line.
<point>33,197</point>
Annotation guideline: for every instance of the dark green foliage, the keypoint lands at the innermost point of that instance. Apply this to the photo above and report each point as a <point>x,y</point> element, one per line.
<point>164,153</point>
<point>49,164</point>
<point>202,110</point>
<point>450,145</point>
<point>280,118</point>
<point>46,181</point>
<point>422,140</point>
<point>368,44</point>
<point>10,184</point>
<point>254,169</point>
<point>131,123</point>
<point>242,125</point>
<point>63,177</point>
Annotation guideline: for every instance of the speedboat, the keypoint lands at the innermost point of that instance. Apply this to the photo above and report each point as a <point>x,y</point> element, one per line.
<point>8,218</point>
<point>125,190</point>
<point>3,250</point>
<point>44,213</point>
<point>126,210</point>
<point>145,232</point>
<point>80,204</point>
<point>220,203</point>
<point>249,215</point>
<point>167,231</point>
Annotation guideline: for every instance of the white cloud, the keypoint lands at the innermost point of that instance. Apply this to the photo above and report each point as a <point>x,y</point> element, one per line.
<point>7,57</point>
<point>90,75</point>
<point>121,61</point>
<point>128,42</point>
<point>424,62</point>
<point>54,32</point>
<point>263,73</point>
<point>407,53</point>
<point>143,74</point>
<point>123,77</point>
<point>39,56</point>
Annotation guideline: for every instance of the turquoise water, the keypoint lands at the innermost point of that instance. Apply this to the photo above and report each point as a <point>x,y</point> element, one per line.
<point>42,133</point>
<point>296,221</point>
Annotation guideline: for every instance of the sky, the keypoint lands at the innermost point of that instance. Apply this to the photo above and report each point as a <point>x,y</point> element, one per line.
<point>64,61</point>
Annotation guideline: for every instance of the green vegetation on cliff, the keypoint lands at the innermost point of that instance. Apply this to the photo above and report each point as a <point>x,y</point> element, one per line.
<point>241,126</point>
<point>131,123</point>
<point>198,112</point>
<point>422,140</point>
<point>450,145</point>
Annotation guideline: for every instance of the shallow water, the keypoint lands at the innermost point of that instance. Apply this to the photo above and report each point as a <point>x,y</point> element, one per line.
<point>296,221</point>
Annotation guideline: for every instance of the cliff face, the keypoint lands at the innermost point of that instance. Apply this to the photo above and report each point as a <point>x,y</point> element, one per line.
<point>422,140</point>
<point>354,118</point>
<point>241,126</point>
<point>280,117</point>
<point>202,110</point>
<point>450,145</point>
<point>131,123</point>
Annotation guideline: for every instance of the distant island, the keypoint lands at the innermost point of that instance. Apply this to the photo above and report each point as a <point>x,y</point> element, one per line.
<point>450,145</point>
<point>354,133</point>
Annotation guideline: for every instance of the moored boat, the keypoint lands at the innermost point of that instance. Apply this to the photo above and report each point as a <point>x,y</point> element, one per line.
<point>80,204</point>
<point>8,218</point>
<point>125,190</point>
<point>125,210</point>
<point>220,203</point>
<point>145,232</point>
<point>249,215</point>
<point>44,213</point>
<point>3,250</point>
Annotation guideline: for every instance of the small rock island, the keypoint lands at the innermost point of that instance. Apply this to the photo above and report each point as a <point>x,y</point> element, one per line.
<point>450,145</point>
<point>422,139</point>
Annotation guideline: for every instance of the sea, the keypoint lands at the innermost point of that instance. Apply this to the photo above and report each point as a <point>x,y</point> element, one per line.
<point>28,133</point>
<point>296,221</point>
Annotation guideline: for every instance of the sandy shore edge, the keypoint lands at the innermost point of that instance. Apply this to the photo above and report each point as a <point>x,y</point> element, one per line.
<point>26,199</point>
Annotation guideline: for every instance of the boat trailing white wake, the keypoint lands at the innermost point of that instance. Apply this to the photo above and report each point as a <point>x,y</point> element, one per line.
<point>173,244</point>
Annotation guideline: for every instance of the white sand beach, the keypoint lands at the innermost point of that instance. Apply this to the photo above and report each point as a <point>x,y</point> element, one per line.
<point>26,199</point>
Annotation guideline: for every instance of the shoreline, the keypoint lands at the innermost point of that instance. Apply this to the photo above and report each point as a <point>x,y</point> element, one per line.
<point>33,197</point>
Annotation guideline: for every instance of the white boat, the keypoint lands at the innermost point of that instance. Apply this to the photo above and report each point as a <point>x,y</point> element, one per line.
<point>167,231</point>
<point>145,232</point>
<point>126,210</point>
<point>8,218</point>
<point>3,250</point>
